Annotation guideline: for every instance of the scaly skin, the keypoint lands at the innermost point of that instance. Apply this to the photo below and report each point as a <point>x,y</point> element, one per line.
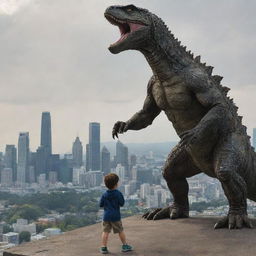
<point>213,139</point>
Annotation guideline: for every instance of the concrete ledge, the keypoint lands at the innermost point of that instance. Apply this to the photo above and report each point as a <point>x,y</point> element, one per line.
<point>183,237</point>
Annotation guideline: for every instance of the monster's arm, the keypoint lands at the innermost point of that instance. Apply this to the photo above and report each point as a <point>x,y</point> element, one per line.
<point>141,119</point>
<point>217,117</point>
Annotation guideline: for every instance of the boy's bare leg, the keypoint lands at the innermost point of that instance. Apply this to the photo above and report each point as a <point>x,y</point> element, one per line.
<point>122,237</point>
<point>105,238</point>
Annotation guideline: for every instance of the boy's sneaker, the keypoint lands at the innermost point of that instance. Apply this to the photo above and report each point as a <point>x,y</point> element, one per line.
<point>126,248</point>
<point>104,250</point>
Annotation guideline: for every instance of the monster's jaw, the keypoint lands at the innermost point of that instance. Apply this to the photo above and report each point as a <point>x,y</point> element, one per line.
<point>126,27</point>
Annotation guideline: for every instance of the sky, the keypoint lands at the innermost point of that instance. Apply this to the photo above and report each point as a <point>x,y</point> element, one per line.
<point>54,57</point>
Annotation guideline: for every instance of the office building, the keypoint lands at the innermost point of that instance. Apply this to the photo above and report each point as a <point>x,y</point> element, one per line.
<point>77,152</point>
<point>46,139</point>
<point>23,158</point>
<point>6,177</point>
<point>10,160</point>
<point>94,147</point>
<point>105,160</point>
<point>122,156</point>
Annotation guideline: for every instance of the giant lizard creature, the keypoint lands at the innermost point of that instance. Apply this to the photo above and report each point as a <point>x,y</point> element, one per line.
<point>213,139</point>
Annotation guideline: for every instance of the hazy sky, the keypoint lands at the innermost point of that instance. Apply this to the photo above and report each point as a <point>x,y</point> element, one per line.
<point>54,57</point>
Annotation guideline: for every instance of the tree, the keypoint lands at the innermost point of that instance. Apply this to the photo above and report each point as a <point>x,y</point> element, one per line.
<point>24,236</point>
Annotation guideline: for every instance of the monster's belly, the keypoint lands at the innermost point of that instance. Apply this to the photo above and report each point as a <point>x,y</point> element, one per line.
<point>179,104</point>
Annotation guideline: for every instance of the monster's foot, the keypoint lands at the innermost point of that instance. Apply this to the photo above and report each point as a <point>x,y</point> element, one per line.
<point>172,212</point>
<point>233,221</point>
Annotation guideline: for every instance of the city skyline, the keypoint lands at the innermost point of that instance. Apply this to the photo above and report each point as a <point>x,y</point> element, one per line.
<point>93,84</point>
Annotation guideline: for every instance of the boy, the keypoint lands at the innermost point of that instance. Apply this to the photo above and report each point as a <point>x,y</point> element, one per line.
<point>111,200</point>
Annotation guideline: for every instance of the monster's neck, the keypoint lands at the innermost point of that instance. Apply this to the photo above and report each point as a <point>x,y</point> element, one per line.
<point>164,53</point>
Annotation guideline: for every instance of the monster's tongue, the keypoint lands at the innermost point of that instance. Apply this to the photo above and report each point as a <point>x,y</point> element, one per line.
<point>126,29</point>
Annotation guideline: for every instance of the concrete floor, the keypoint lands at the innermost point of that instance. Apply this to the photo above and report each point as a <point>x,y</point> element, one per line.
<point>183,237</point>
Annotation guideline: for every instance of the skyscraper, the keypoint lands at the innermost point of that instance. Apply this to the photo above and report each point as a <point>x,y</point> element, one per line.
<point>94,146</point>
<point>105,160</point>
<point>45,150</point>
<point>23,158</point>
<point>87,158</point>
<point>77,152</point>
<point>254,138</point>
<point>10,160</point>
<point>46,134</point>
<point>122,155</point>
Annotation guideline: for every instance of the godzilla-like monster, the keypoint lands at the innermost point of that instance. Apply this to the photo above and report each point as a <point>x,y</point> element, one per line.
<point>213,139</point>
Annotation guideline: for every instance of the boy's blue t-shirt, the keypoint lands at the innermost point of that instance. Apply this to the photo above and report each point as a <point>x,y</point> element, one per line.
<point>111,200</point>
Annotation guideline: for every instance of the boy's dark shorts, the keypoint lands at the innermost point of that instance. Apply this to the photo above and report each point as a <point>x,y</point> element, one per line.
<point>117,226</point>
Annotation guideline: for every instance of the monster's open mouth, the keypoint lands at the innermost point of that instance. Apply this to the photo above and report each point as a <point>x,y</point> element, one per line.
<point>126,27</point>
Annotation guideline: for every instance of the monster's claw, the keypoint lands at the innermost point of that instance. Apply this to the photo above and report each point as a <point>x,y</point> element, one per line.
<point>145,215</point>
<point>247,222</point>
<point>223,223</point>
<point>162,214</point>
<point>233,221</point>
<point>153,213</point>
<point>121,128</point>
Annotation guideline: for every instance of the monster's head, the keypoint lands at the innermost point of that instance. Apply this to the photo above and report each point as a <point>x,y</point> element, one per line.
<point>134,24</point>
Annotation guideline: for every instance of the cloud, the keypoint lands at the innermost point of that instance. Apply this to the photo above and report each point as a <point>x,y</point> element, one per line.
<point>54,57</point>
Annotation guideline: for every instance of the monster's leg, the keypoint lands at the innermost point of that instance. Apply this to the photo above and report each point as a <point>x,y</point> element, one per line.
<point>234,186</point>
<point>177,167</point>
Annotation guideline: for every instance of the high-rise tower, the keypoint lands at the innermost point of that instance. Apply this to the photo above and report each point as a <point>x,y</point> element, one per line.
<point>94,146</point>
<point>122,155</point>
<point>23,158</point>
<point>105,160</point>
<point>46,134</point>
<point>44,152</point>
<point>10,160</point>
<point>77,152</point>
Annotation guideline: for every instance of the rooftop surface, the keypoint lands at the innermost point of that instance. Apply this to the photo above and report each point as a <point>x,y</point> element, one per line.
<point>182,237</point>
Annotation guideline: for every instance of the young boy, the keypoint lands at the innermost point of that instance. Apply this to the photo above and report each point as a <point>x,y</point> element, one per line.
<point>111,200</point>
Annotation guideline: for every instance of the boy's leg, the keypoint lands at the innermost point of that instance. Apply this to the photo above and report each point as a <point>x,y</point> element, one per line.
<point>105,238</point>
<point>122,237</point>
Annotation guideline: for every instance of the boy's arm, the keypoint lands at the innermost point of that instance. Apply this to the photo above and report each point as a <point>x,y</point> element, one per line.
<point>102,201</point>
<point>121,199</point>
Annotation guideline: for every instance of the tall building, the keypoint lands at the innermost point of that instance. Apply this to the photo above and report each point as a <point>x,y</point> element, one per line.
<point>10,160</point>
<point>41,161</point>
<point>46,134</point>
<point>87,158</point>
<point>23,158</point>
<point>254,138</point>
<point>65,172</point>
<point>46,139</point>
<point>77,152</point>
<point>94,146</point>
<point>6,177</point>
<point>105,160</point>
<point>122,155</point>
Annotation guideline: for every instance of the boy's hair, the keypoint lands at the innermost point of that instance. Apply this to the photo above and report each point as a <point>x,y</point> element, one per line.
<point>111,180</point>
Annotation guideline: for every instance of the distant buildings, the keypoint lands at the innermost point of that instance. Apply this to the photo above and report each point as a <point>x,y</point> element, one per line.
<point>46,133</point>
<point>94,147</point>
<point>122,156</point>
<point>10,160</point>
<point>52,232</point>
<point>46,141</point>
<point>23,225</point>
<point>6,177</point>
<point>105,160</point>
<point>77,152</point>
<point>23,158</point>
<point>11,238</point>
